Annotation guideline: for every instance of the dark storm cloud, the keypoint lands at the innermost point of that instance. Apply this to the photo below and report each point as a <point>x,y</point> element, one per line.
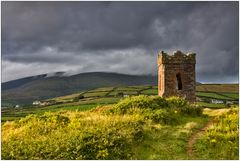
<point>119,36</point>
<point>82,25</point>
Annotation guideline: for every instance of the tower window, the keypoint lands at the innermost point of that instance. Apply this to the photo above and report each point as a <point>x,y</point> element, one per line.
<point>179,82</point>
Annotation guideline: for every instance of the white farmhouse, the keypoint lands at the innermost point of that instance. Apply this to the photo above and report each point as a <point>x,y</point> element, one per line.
<point>36,103</point>
<point>217,101</point>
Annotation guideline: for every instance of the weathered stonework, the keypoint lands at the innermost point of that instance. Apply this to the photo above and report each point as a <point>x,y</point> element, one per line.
<point>176,75</point>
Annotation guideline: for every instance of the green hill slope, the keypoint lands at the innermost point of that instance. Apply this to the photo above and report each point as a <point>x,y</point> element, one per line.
<point>139,128</point>
<point>25,91</point>
<point>88,99</point>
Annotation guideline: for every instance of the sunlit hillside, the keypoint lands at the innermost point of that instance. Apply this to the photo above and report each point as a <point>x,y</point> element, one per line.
<point>140,127</point>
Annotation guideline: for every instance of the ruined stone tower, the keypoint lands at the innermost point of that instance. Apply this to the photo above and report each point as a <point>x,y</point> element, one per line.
<point>176,75</point>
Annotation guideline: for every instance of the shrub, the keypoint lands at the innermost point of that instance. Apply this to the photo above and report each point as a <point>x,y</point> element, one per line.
<point>162,116</point>
<point>177,102</point>
<point>71,135</point>
<point>76,99</point>
<point>190,110</point>
<point>128,105</point>
<point>156,108</point>
<point>119,94</point>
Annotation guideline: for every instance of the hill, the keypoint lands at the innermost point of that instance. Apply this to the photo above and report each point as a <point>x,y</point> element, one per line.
<point>26,90</point>
<point>138,128</point>
<point>89,99</point>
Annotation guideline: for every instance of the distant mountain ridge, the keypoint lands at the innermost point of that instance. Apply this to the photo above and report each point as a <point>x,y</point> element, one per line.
<point>26,90</point>
<point>18,82</point>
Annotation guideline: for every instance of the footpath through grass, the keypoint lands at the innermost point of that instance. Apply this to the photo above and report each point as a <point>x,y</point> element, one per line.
<point>111,133</point>
<point>142,127</point>
<point>168,142</point>
<point>221,140</point>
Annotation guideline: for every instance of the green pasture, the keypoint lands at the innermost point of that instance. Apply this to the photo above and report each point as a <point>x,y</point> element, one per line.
<point>150,92</point>
<point>95,94</point>
<point>221,140</point>
<point>109,95</point>
<point>135,128</point>
<point>104,89</point>
<point>82,105</point>
<point>231,88</point>
<point>117,93</point>
<point>231,95</point>
<point>141,87</point>
<point>211,105</point>
<point>213,95</point>
<point>168,142</point>
<point>127,89</point>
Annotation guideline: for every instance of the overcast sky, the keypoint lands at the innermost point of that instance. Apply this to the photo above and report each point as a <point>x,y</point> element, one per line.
<point>123,37</point>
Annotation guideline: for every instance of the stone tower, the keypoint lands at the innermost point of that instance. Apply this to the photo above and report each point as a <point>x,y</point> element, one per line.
<point>176,75</point>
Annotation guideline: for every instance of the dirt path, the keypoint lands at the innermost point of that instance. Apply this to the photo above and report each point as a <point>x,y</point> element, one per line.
<point>193,138</point>
<point>212,114</point>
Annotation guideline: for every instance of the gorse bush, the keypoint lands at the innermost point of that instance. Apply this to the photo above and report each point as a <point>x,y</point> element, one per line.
<point>162,116</point>
<point>141,102</point>
<point>190,110</point>
<point>158,109</point>
<point>71,135</point>
<point>177,102</point>
<point>102,133</point>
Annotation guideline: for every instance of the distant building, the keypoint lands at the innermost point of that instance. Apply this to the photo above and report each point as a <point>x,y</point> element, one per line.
<point>17,106</point>
<point>125,95</point>
<point>36,103</point>
<point>49,102</point>
<point>44,103</point>
<point>217,101</point>
<point>229,102</point>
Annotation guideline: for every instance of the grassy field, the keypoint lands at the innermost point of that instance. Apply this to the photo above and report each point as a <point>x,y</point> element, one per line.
<point>141,127</point>
<point>168,142</point>
<point>231,88</point>
<point>110,95</point>
<point>106,89</point>
<point>93,124</point>
<point>95,94</point>
<point>152,91</point>
<point>215,91</point>
<point>231,96</point>
<point>211,105</point>
<point>221,140</point>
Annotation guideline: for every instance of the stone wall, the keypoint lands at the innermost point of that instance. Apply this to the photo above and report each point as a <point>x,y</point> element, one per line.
<point>176,75</point>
